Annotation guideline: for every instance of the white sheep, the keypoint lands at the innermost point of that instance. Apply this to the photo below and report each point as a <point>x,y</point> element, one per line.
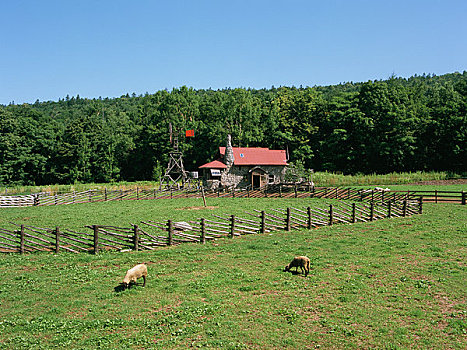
<point>134,273</point>
<point>299,261</point>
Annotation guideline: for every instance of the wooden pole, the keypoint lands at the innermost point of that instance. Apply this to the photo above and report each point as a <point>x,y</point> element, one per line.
<point>372,211</point>
<point>336,193</point>
<point>308,210</point>
<point>404,208</point>
<point>331,219</point>
<point>204,197</point>
<point>295,189</point>
<point>288,221</point>
<point>354,213</point>
<point>389,209</point>
<point>463,200</point>
<point>57,239</point>
<point>96,238</point>
<point>21,240</point>
<point>232,226</point>
<point>263,222</point>
<point>280,191</point>
<point>203,232</point>
<point>420,205</point>
<point>135,237</point>
<point>170,230</point>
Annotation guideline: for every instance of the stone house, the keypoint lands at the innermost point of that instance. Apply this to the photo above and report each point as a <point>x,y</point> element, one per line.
<point>239,167</point>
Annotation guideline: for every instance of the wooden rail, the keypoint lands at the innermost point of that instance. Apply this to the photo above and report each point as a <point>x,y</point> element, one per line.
<point>275,191</point>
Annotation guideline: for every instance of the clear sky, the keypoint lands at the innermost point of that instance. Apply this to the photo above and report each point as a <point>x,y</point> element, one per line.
<point>93,48</point>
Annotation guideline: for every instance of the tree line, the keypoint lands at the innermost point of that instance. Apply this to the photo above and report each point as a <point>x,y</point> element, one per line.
<point>397,124</point>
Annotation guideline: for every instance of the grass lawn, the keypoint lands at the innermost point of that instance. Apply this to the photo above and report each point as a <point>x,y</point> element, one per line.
<point>396,283</point>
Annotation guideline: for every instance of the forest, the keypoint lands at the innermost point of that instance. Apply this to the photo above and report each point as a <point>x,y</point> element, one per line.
<point>398,124</point>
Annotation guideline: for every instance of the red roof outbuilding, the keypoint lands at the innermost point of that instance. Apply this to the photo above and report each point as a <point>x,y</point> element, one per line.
<point>214,165</point>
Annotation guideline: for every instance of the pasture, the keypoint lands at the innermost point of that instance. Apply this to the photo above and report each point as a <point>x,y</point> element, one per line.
<point>396,283</point>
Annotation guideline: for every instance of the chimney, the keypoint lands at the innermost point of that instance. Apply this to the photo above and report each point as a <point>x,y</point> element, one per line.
<point>229,156</point>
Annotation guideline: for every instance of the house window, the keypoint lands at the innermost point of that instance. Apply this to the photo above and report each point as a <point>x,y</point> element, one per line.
<point>271,179</point>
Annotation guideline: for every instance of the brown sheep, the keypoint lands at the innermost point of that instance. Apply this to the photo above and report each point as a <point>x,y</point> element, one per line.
<point>134,273</point>
<point>299,261</point>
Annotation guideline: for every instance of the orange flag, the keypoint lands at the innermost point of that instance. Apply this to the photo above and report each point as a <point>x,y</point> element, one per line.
<point>190,133</point>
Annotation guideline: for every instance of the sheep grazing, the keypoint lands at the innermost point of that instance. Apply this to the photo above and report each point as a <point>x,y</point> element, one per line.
<point>134,273</point>
<point>299,261</point>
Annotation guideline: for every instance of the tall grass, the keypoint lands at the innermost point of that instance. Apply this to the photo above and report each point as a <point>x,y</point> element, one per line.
<point>333,179</point>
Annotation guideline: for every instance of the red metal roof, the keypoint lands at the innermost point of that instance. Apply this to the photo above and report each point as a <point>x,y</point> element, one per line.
<point>257,156</point>
<point>214,165</point>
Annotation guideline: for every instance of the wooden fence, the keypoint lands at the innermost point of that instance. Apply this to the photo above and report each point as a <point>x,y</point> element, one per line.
<point>148,235</point>
<point>275,191</point>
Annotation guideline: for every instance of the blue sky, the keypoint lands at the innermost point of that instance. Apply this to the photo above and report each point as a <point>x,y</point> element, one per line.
<point>49,49</point>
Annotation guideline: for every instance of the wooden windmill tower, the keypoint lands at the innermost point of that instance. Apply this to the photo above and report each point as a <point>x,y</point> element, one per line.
<point>175,170</point>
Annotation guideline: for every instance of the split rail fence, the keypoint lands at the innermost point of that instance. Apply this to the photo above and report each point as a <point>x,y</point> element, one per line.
<point>149,235</point>
<point>275,191</point>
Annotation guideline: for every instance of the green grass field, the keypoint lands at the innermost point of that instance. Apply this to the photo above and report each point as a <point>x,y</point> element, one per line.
<point>395,283</point>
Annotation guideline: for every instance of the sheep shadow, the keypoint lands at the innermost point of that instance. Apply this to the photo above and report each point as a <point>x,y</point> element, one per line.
<point>121,287</point>
<point>295,273</point>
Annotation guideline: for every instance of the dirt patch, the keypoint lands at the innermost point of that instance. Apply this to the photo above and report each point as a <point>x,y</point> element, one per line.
<point>198,208</point>
<point>441,182</point>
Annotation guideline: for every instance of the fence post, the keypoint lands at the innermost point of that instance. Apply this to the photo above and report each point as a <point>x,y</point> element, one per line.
<point>170,230</point>
<point>263,222</point>
<point>337,194</point>
<point>308,210</point>
<point>389,209</point>
<point>280,191</point>
<point>331,218</point>
<point>404,208</point>
<point>55,199</point>
<point>96,238</point>
<point>203,232</point>
<point>105,194</point>
<point>171,193</point>
<point>232,226</point>
<point>420,205</point>
<point>21,240</point>
<point>287,220</point>
<point>121,194</point>
<point>90,195</point>
<point>135,237</point>
<point>74,196</point>
<point>372,211</point>
<point>463,200</point>
<point>354,213</point>
<point>295,189</point>
<point>137,193</point>
<point>348,193</point>
<point>36,200</point>
<point>57,239</point>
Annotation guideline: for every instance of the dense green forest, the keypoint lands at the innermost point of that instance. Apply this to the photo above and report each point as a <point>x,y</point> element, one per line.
<point>398,124</point>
